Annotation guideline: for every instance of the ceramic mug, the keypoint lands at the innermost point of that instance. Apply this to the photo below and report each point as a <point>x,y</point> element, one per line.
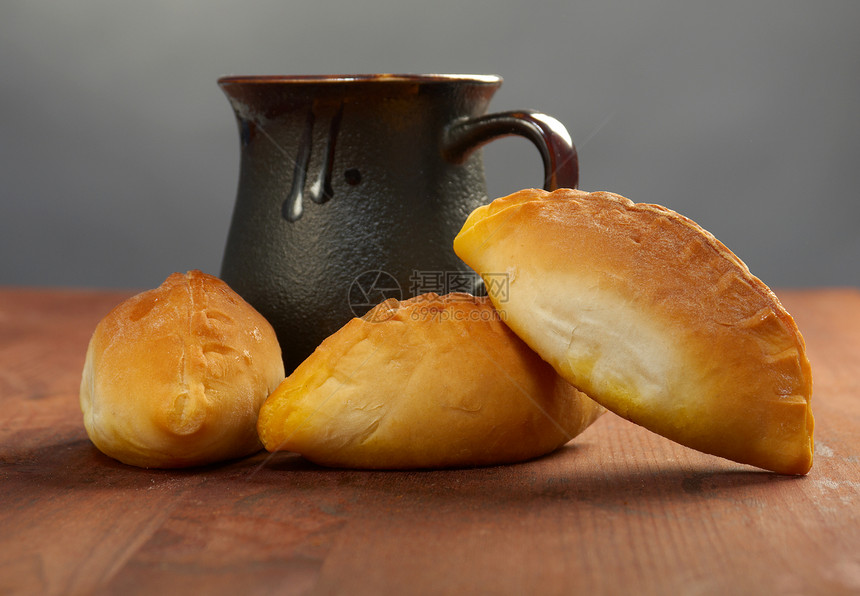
<point>352,188</point>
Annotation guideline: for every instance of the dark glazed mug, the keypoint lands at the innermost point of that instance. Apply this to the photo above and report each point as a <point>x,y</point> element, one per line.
<point>352,188</point>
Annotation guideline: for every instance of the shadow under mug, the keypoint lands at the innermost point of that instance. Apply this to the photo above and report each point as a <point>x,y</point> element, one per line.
<point>352,189</point>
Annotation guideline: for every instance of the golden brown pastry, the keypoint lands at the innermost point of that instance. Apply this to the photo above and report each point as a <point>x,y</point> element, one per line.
<point>425,383</point>
<point>652,317</point>
<point>175,376</point>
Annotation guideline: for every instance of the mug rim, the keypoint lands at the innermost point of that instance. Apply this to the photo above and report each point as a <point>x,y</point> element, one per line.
<point>484,79</point>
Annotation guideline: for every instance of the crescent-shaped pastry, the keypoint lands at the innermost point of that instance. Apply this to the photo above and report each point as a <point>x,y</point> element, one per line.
<point>429,382</point>
<point>652,317</point>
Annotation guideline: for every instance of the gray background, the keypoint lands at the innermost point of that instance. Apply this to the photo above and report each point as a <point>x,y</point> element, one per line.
<point>119,154</point>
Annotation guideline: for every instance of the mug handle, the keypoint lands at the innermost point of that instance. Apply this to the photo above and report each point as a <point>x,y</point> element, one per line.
<point>560,161</point>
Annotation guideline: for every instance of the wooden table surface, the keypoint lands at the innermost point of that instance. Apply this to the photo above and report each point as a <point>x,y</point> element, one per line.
<point>617,511</point>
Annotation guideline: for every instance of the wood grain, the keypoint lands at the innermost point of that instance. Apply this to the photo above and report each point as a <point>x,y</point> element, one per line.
<point>620,510</point>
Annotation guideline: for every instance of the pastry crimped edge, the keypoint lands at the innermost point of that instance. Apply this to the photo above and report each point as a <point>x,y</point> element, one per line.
<point>652,317</point>
<point>175,376</point>
<point>429,382</point>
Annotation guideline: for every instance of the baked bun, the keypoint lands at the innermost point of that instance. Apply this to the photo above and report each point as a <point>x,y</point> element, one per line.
<point>175,376</point>
<point>425,383</point>
<point>652,317</point>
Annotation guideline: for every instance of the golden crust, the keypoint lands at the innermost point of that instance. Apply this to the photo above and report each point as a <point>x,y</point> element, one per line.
<point>651,316</point>
<point>175,376</point>
<point>424,383</point>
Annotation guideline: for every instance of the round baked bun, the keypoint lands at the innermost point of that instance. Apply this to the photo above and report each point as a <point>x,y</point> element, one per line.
<point>176,376</point>
<point>430,382</point>
<point>652,317</point>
